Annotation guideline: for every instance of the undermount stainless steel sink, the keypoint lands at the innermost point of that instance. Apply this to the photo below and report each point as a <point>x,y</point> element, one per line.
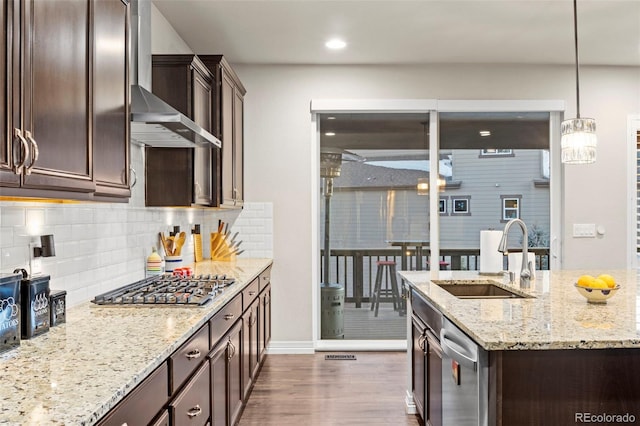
<point>478,289</point>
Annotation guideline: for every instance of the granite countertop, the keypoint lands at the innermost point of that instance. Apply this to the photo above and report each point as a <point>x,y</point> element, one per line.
<point>557,317</point>
<point>79,370</point>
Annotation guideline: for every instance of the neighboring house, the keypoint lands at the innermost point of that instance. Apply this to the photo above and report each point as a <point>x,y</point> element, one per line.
<point>375,204</point>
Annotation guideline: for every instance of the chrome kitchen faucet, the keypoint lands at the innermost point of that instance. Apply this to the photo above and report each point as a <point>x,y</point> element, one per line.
<point>526,270</point>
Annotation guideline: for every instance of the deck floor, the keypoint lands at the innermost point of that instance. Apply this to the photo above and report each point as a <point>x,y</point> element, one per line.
<point>361,324</point>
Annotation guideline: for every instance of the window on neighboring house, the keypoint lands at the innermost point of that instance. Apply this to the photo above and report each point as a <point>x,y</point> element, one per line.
<point>460,206</point>
<point>510,207</point>
<point>490,152</point>
<point>443,206</point>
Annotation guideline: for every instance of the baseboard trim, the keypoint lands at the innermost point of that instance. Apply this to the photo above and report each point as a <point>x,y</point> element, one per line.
<point>361,345</point>
<point>290,347</point>
<point>409,404</point>
<point>307,347</point>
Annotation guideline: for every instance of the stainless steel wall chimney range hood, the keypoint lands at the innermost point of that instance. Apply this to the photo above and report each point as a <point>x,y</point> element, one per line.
<point>153,121</point>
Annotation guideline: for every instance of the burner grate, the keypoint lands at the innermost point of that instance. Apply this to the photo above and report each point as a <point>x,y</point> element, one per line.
<point>167,290</point>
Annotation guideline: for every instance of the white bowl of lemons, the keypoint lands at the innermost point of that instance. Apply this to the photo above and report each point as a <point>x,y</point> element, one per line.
<point>597,289</point>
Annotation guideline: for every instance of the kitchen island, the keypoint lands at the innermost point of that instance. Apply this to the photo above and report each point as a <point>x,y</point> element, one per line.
<point>552,358</point>
<point>79,370</point>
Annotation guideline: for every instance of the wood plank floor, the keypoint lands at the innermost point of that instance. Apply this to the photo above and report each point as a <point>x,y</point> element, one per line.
<point>309,390</point>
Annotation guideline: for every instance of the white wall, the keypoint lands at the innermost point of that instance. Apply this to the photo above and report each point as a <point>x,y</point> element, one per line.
<point>278,153</point>
<point>164,39</point>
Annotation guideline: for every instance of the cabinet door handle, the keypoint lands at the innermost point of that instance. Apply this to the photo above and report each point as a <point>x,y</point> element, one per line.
<point>197,188</point>
<point>227,317</point>
<point>195,411</point>
<point>133,176</point>
<point>193,354</point>
<point>24,151</point>
<point>421,341</point>
<point>35,152</point>
<point>232,349</point>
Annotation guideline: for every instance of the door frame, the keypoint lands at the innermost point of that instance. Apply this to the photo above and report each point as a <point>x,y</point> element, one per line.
<point>633,127</point>
<point>431,107</point>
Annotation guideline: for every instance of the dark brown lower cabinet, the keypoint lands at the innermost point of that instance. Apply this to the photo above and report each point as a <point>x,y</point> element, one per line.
<point>565,386</point>
<point>226,375</point>
<point>250,350</point>
<point>208,379</point>
<point>191,406</point>
<point>433,414</point>
<point>152,394</point>
<point>264,336</point>
<point>218,360</point>
<point>419,362</point>
<point>426,355</point>
<point>162,419</point>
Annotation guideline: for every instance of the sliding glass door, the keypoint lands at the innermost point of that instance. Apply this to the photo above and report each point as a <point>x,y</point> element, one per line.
<point>410,185</point>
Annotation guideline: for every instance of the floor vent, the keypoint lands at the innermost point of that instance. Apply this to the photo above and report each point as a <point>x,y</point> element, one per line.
<point>340,357</point>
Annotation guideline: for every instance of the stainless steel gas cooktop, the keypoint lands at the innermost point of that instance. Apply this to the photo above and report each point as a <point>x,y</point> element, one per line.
<point>167,290</point>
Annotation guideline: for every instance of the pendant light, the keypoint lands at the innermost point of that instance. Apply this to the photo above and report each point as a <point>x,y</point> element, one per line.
<point>579,139</point>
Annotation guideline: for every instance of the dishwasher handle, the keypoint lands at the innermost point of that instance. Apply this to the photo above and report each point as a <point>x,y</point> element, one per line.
<point>455,351</point>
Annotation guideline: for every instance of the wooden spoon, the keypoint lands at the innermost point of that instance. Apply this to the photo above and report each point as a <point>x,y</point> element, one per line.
<point>179,242</point>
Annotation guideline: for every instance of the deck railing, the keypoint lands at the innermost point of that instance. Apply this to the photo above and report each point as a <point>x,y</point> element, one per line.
<point>356,268</point>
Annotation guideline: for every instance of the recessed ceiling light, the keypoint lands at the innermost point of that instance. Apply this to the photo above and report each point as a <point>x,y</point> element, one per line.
<point>329,134</point>
<point>335,43</point>
<point>331,118</point>
<point>485,133</point>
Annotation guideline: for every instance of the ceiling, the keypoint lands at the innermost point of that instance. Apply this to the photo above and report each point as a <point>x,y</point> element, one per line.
<point>409,32</point>
<point>413,32</point>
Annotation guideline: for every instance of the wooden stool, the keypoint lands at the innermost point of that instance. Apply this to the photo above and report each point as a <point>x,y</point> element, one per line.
<point>390,289</point>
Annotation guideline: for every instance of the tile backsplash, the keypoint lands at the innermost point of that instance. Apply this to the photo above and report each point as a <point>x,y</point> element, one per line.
<point>102,246</point>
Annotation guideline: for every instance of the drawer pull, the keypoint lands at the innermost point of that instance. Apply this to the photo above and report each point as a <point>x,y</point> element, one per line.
<point>195,411</point>
<point>252,293</point>
<point>193,354</point>
<point>227,317</point>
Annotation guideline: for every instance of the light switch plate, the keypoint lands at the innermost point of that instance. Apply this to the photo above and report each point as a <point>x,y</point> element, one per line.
<point>584,230</point>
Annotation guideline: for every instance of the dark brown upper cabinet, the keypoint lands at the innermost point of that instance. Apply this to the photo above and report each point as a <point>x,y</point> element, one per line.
<point>111,98</point>
<point>183,176</point>
<point>65,75</point>
<point>229,128</point>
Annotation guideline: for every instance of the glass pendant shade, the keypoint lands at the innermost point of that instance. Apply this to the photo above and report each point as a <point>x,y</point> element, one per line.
<point>579,141</point>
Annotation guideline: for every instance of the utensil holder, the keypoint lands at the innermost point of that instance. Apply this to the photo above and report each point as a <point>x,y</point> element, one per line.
<point>172,262</point>
<point>220,248</point>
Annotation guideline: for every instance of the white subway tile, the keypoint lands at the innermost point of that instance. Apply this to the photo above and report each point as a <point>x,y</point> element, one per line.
<point>13,216</point>
<point>6,237</point>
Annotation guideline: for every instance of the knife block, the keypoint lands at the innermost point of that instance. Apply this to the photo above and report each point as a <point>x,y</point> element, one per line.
<point>197,247</point>
<point>220,247</point>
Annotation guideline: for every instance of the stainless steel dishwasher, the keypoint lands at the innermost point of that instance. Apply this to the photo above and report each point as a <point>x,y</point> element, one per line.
<point>464,378</point>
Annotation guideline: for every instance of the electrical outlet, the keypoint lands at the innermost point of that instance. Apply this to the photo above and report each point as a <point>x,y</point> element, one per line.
<point>584,230</point>
<point>35,263</point>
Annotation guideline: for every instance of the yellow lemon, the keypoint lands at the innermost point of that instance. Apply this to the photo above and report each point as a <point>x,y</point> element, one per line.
<point>611,282</point>
<point>586,281</point>
<point>598,283</point>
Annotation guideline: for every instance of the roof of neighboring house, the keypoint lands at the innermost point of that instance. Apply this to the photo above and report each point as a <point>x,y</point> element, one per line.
<point>362,175</point>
